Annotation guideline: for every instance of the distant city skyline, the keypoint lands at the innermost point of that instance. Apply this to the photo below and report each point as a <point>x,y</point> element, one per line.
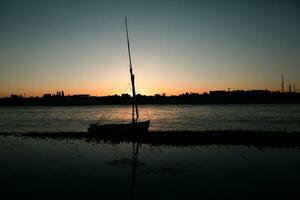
<point>177,46</point>
<point>290,89</point>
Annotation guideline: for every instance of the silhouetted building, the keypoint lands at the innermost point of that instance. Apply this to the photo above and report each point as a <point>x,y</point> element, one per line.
<point>217,92</point>
<point>59,94</point>
<point>290,88</point>
<point>14,96</point>
<point>125,95</point>
<point>81,95</point>
<point>46,95</point>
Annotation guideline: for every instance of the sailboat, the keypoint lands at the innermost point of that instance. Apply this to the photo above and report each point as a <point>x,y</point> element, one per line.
<point>135,126</point>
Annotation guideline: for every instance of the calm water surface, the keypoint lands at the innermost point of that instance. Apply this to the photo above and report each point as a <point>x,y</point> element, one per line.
<point>163,117</point>
<point>76,169</point>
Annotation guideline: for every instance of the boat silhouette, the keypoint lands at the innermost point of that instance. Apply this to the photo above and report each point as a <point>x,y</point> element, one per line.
<point>135,126</point>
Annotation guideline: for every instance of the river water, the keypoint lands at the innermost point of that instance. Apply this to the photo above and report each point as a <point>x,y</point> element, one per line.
<point>79,169</point>
<point>163,117</point>
<point>76,169</point>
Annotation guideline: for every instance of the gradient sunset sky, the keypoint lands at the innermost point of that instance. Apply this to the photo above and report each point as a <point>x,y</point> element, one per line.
<point>79,46</point>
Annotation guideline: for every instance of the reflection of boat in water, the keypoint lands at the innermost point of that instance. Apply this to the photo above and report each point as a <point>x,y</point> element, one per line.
<point>132,127</point>
<point>135,153</point>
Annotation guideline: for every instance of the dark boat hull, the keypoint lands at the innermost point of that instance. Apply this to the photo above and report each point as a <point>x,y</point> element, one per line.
<point>125,128</point>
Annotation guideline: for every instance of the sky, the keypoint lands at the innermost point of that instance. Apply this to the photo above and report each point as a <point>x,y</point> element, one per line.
<point>79,46</point>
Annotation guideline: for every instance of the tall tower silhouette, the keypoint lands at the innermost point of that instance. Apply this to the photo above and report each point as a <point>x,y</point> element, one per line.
<point>290,88</point>
<point>282,83</point>
<point>294,88</point>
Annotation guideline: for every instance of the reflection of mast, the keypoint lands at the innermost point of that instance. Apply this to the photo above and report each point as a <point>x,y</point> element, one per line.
<point>282,83</point>
<point>134,103</point>
<point>135,152</point>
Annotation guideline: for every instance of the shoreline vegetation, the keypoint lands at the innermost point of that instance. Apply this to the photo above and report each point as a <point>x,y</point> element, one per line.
<point>279,139</point>
<point>213,97</point>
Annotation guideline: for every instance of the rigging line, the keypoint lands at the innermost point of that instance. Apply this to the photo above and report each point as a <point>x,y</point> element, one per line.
<point>103,115</point>
<point>126,88</point>
<point>134,104</point>
<point>145,109</point>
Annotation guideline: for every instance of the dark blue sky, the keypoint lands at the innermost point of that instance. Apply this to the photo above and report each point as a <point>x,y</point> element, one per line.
<point>177,46</point>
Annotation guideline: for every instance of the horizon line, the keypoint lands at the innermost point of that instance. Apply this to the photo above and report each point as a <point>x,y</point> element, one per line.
<point>154,94</point>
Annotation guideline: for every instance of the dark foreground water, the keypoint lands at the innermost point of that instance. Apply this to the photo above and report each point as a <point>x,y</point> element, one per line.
<point>163,117</point>
<point>75,169</point>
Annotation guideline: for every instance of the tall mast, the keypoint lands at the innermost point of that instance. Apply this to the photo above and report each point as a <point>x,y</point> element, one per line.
<point>134,103</point>
<point>282,83</point>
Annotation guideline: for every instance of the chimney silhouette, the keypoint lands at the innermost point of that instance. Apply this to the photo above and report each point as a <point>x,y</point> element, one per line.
<point>282,83</point>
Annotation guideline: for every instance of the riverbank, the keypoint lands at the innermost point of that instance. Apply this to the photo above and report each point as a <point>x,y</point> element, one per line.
<point>181,138</point>
<point>211,98</point>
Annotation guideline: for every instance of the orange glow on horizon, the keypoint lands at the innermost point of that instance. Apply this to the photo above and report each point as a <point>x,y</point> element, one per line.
<point>97,92</point>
